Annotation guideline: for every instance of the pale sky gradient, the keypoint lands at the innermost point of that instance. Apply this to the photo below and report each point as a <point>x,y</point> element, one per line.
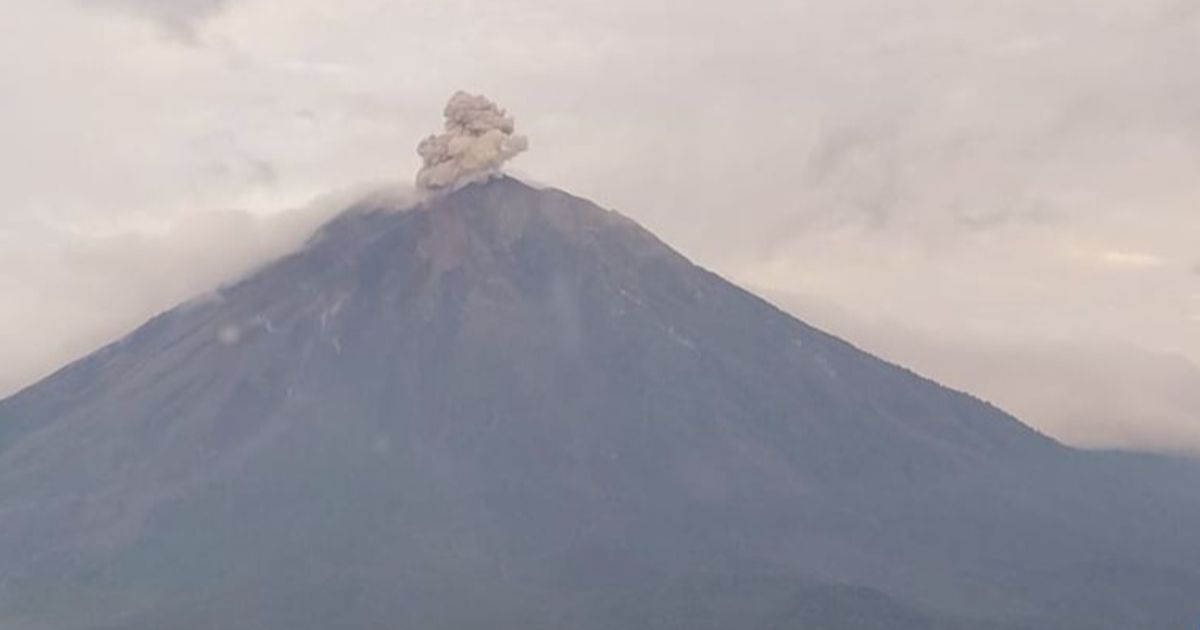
<point>1012,173</point>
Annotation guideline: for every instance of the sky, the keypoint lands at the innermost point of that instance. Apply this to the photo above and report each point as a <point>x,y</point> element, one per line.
<point>957,186</point>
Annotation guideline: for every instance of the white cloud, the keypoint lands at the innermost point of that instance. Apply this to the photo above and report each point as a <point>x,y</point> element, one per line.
<point>1123,260</point>
<point>76,289</point>
<point>1132,259</point>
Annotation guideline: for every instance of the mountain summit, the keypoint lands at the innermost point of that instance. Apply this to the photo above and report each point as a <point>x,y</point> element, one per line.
<point>509,408</point>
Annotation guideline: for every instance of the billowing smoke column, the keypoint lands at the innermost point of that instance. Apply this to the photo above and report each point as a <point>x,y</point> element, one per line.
<point>478,140</point>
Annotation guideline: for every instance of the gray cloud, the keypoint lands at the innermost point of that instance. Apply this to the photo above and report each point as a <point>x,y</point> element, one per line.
<point>866,157</point>
<point>1031,212</point>
<point>180,18</point>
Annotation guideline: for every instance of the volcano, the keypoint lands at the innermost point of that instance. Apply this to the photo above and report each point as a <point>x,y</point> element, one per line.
<point>507,407</point>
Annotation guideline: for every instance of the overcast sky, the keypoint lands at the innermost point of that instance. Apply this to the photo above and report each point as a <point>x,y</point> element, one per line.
<point>1008,173</point>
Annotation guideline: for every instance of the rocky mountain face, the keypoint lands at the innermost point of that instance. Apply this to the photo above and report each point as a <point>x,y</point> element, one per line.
<point>510,408</point>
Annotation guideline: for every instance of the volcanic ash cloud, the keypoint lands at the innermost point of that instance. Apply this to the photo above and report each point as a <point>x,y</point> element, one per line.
<point>478,140</point>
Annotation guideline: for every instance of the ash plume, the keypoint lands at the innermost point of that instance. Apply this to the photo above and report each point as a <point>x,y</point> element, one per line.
<point>478,140</point>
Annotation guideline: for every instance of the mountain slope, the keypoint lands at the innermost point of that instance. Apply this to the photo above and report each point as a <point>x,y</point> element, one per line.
<point>512,408</point>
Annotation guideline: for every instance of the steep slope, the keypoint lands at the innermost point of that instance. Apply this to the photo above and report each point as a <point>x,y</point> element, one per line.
<point>1089,394</point>
<point>511,408</point>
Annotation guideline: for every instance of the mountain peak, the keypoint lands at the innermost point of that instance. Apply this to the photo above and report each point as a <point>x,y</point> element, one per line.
<point>545,286</point>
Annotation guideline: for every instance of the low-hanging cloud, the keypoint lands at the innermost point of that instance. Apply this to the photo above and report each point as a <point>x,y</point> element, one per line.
<point>478,140</point>
<point>119,278</point>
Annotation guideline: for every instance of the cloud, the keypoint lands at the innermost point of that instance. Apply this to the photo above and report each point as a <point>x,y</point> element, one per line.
<point>478,140</point>
<point>1131,260</point>
<point>119,277</point>
<point>1116,259</point>
<point>180,18</point>
<point>1091,394</point>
